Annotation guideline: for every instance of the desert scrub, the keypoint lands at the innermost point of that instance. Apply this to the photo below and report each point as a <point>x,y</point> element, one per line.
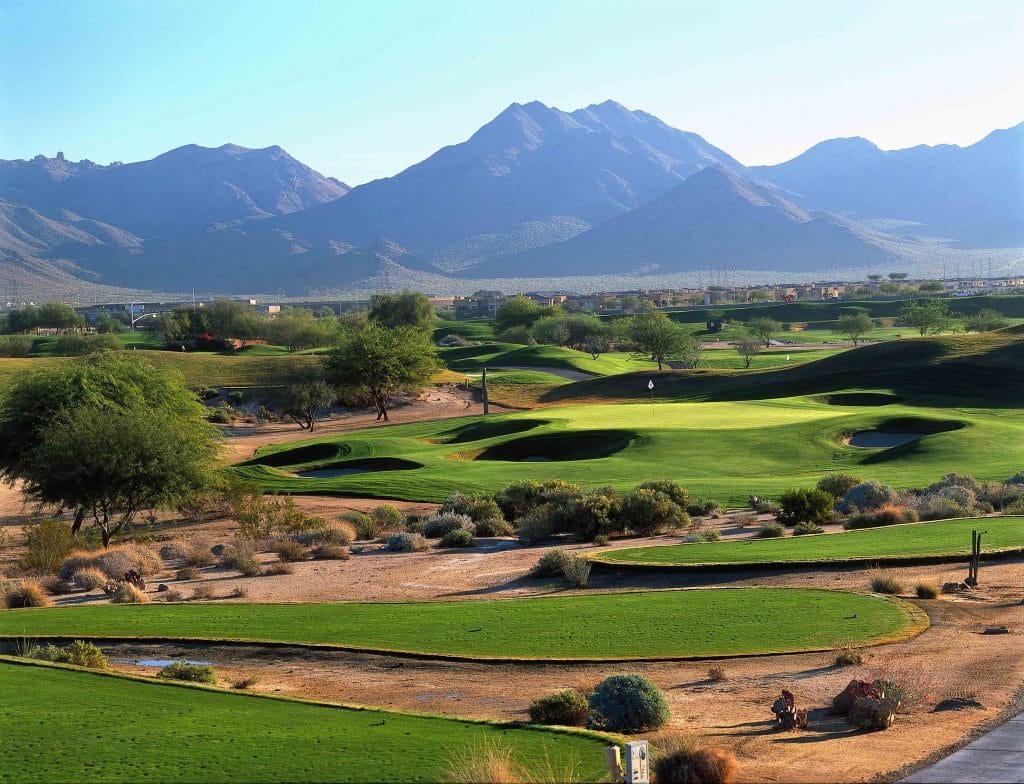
<point>89,579</point>
<point>365,526</point>
<point>187,573</point>
<point>567,707</point>
<point>576,572</point>
<point>679,760</point>
<point>535,527</point>
<point>926,590</point>
<point>25,593</point>
<point>113,562</point>
<point>716,674</point>
<point>47,544</point>
<point>388,517</point>
<point>628,703</point>
<point>802,529</point>
<point>173,551</point>
<point>847,656</point>
<point>886,583</point>
<point>245,682</point>
<point>460,537</point>
<point>79,653</point>
<point>329,551</point>
<point>277,569</point>
<point>771,530</point>
<point>193,673</point>
<point>202,592</point>
<point>439,525</point>
<point>837,484</point>
<point>406,542</point>
<point>551,564</point>
<point>289,550</point>
<point>125,593</point>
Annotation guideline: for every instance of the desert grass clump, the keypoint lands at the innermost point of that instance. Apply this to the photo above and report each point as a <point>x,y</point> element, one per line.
<point>126,593</point>
<point>716,673</point>
<point>680,760</point>
<point>187,573</point>
<point>406,542</point>
<point>883,582</point>
<point>113,562</point>
<point>336,534</point>
<point>492,761</point>
<point>926,590</point>
<point>192,673</point>
<point>771,530</point>
<point>245,682</point>
<point>847,656</point>
<point>289,550</point>
<point>173,551</point>
<point>89,579</point>
<point>568,708</point>
<point>329,551</point>
<point>56,586</point>
<point>25,593</point>
<point>278,568</point>
<point>199,554</point>
<point>202,591</point>
<point>171,595</point>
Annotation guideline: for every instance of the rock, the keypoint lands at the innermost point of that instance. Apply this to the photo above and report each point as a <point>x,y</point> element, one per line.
<point>996,630</point>
<point>955,587</point>
<point>219,549</point>
<point>843,701</point>
<point>163,587</point>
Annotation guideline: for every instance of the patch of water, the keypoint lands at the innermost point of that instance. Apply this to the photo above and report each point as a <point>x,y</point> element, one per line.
<point>878,439</point>
<point>161,662</point>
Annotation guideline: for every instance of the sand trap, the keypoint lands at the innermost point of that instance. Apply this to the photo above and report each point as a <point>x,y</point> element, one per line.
<point>879,439</point>
<point>329,473</point>
<point>535,459</point>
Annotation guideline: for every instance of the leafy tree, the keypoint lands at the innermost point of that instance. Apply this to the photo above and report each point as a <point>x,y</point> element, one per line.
<point>649,512</point>
<point>596,344</point>
<point>382,362</point>
<point>517,312</point>
<point>402,309</point>
<point>895,277</point>
<point>660,338</point>
<point>306,399</point>
<point>107,436</point>
<point>551,329</point>
<point>107,324</point>
<point>764,329</point>
<point>23,320</point>
<point>297,329</point>
<point>230,319</point>
<point>77,344</point>
<point>928,317</point>
<point>874,278</point>
<point>985,320</point>
<point>854,326</point>
<point>59,316</point>
<point>748,348</point>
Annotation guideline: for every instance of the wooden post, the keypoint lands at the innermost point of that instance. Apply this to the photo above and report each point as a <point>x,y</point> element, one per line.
<point>483,391</point>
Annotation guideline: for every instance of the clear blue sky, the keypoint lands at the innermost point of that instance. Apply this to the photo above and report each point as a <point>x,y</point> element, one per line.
<point>362,90</point>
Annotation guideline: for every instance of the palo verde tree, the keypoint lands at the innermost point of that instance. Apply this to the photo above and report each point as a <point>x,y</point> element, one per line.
<point>381,362</point>
<point>107,436</point>
<point>402,309</point>
<point>764,329</point>
<point>306,398</point>
<point>854,326</point>
<point>748,348</point>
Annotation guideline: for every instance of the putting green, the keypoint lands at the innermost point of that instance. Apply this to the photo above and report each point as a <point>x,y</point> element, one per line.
<point>141,732</point>
<point>945,539</point>
<point>725,450</point>
<point>599,626</point>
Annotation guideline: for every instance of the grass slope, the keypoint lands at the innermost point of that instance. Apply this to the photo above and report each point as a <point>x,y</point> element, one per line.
<point>944,538</point>
<point>139,732</point>
<point>675,624</point>
<point>513,355</point>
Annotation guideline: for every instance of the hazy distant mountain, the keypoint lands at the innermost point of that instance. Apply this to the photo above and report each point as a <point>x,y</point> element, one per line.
<point>974,194</point>
<point>714,219</point>
<point>531,176</point>
<point>187,189</point>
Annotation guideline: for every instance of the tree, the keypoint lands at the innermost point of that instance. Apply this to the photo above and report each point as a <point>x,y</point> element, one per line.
<point>931,286</point>
<point>59,316</point>
<point>381,362</point>
<point>107,436</point>
<point>517,312</point>
<point>764,328</point>
<point>805,506</point>
<point>985,320</point>
<point>551,329</point>
<point>658,337</point>
<point>297,329</point>
<point>874,278</point>
<point>896,277</point>
<point>748,348</point>
<point>105,323</point>
<point>305,400</point>
<point>854,326</point>
<point>229,319</point>
<point>402,309</point>
<point>928,317</point>
<point>596,345</point>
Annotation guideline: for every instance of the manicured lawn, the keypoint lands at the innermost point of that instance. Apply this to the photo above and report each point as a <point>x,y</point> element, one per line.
<point>513,355</point>
<point>64,726</point>
<point>614,626</point>
<point>918,540</point>
<point>774,357</point>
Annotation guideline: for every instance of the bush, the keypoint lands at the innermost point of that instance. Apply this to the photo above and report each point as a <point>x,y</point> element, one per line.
<point>113,562</point>
<point>838,485</point>
<point>79,653</point>
<point>187,573</point>
<point>388,517</point>
<point>577,572</point>
<point>444,523</point>
<point>886,515</point>
<point>15,346</point>
<point>535,527</point>
<point>551,564</point>
<point>568,708</point>
<point>330,552</point>
<point>25,593</point>
<point>199,554</point>
<point>460,537</point>
<point>865,497</point>
<point>676,492</point>
<point>77,344</point>
<point>771,530</point>
<point>126,593</point>
<point>478,508</point>
<point>848,656</point>
<point>628,703</point>
<point>886,583</point>
<point>716,674</point>
<point>89,579</point>
<point>366,527</point>
<point>702,507</point>
<point>801,529</point>
<point>681,761</point>
<point>805,506</point>
<point>334,534</point>
<point>47,543</point>
<point>173,551</point>
<point>236,397</point>
<point>247,564</point>
<point>522,498</point>
<point>289,550</point>
<point>245,682</point>
<point>406,542</point>
<point>494,527</point>
<point>648,512</point>
<point>517,334</point>
<point>193,673</point>
<point>926,590</point>
<point>277,569</point>
<point>201,592</point>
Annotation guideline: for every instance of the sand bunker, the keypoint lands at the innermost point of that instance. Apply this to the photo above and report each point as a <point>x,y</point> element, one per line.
<point>879,439</point>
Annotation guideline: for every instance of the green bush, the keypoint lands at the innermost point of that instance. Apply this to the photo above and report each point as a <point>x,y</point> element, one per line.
<point>648,512</point>
<point>568,708</point>
<point>805,506</point>
<point>15,346</point>
<point>406,542</point>
<point>79,653</point>
<point>535,527</point>
<point>679,494</point>
<point>702,507</point>
<point>628,703</point>
<point>494,527</point>
<point>551,564</point>
<point>193,673</point>
<point>388,517</point>
<point>801,529</point>
<point>443,523</point>
<point>459,537</point>
<point>837,484</point>
<point>77,344</point>
<point>479,509</point>
<point>865,497</point>
<point>47,544</point>
<point>520,499</point>
<point>365,526</point>
<point>594,514</point>
<point>236,398</point>
<point>771,530</point>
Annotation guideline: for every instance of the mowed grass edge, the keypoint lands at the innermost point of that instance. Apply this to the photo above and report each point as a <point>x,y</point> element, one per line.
<point>259,737</point>
<point>655,625</point>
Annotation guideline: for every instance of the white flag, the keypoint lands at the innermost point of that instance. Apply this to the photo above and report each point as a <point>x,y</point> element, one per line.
<point>650,384</point>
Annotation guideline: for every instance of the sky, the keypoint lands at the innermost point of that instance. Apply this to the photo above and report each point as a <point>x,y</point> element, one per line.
<point>361,90</point>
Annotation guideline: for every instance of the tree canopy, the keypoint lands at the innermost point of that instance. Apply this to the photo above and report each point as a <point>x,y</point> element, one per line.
<point>854,326</point>
<point>928,316</point>
<point>402,309</point>
<point>660,338</point>
<point>764,329</point>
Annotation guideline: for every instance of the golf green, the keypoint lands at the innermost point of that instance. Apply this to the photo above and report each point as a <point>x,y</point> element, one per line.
<point>597,626</point>
<point>62,725</point>
<point>916,541</point>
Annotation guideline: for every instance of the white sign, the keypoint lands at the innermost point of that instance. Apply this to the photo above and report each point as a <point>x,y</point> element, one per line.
<point>650,384</point>
<point>638,769</point>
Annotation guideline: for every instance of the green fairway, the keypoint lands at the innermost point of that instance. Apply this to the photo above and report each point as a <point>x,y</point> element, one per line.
<point>675,624</point>
<point>775,357</point>
<point>139,732</point>
<point>935,540</point>
<point>514,355</point>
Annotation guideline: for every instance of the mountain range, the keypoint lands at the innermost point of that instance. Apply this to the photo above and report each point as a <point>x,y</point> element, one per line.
<point>535,193</point>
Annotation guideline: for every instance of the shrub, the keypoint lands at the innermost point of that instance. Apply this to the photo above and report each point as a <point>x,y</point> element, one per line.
<point>171,596</point>
<point>459,537</point>
<point>365,526</point>
<point>601,540</point>
<point>886,583</point>
<point>744,519</point>
<point>494,527</point>
<point>330,552</point>
<point>517,334</point>
<point>520,499</point>
<point>245,682</point>
<point>800,529</point>
<point>202,591</point>
<point>771,530</point>
<point>593,514</point>
<point>113,562</point>
<point>702,507</point>
<point>388,517</point>
<point>676,492</point>
<point>15,346</point>
<point>535,527</point>
<point>628,703</point>
<point>865,497</point>
<point>236,397</point>
<point>477,508</point>
<point>126,593</point>
<point>406,542</point>
<point>89,579</point>
<point>805,506</point>
<point>289,550</point>
<point>681,761</point>
<point>716,673</point>
<point>277,569</point>
<point>25,593</point>
<point>577,572</point>
<point>567,707</point>
<point>193,673</point>
<point>79,653</point>
<point>848,656</point>
<point>247,564</point>
<point>648,512</point>
<point>926,590</point>
<point>223,414</point>
<point>173,551</point>
<point>199,554</point>
<point>47,543</point>
<point>187,573</point>
<point>838,485</point>
<point>443,523</point>
<point>334,534</point>
<point>551,564</point>
<point>885,515</point>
